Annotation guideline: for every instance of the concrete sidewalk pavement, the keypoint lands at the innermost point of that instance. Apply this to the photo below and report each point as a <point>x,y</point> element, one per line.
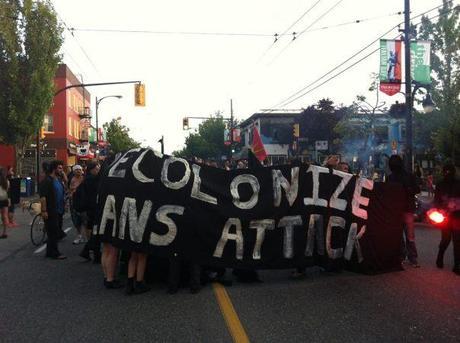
<point>19,237</point>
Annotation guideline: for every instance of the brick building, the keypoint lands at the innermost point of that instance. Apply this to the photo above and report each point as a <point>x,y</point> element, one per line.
<point>65,125</point>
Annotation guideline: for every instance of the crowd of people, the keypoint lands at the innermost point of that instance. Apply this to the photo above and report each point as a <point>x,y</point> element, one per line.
<point>78,189</point>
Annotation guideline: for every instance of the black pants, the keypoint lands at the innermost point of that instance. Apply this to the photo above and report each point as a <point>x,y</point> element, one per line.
<point>94,242</point>
<point>52,230</point>
<point>451,233</point>
<point>175,267</point>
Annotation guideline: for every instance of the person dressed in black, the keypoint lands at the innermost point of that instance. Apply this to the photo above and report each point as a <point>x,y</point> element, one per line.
<point>447,197</point>
<point>408,181</point>
<point>88,192</point>
<point>52,207</point>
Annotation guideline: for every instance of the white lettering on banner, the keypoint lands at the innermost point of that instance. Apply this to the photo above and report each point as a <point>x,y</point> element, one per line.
<point>289,222</point>
<point>162,217</point>
<point>291,189</point>
<point>164,173</point>
<point>114,171</point>
<point>226,236</point>
<point>109,213</point>
<point>337,222</point>
<point>253,182</point>
<point>140,176</point>
<point>335,202</point>
<point>315,200</point>
<point>260,226</point>
<point>196,191</point>
<point>353,242</point>
<point>315,232</point>
<point>136,223</point>
<point>358,199</point>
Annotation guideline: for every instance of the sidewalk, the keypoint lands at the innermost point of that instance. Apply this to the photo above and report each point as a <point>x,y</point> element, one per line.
<point>19,237</point>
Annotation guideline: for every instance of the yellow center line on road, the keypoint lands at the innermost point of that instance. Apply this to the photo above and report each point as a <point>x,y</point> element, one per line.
<point>231,317</point>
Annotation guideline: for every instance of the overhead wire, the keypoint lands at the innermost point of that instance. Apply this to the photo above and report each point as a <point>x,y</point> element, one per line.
<point>289,99</point>
<point>297,35</point>
<point>276,35</point>
<point>78,43</point>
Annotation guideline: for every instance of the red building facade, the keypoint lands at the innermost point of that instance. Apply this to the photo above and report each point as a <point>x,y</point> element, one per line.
<point>62,126</point>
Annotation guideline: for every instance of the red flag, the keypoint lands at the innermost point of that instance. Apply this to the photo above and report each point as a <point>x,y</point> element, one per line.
<point>257,146</point>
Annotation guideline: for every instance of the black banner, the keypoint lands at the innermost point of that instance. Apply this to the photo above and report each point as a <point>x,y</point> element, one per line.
<point>276,217</point>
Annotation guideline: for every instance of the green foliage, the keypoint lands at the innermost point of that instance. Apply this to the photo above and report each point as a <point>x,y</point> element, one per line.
<point>118,136</point>
<point>30,39</point>
<point>208,142</point>
<point>445,63</point>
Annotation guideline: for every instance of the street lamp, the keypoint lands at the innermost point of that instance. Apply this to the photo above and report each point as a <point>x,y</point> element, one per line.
<point>98,101</point>
<point>428,104</point>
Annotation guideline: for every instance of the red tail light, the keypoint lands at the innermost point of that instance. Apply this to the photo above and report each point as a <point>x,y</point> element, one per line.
<point>436,216</point>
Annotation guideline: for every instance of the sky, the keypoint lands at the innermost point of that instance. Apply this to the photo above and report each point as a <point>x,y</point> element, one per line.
<point>190,68</point>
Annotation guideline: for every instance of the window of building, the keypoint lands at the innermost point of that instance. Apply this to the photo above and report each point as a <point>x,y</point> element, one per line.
<point>48,125</point>
<point>69,123</point>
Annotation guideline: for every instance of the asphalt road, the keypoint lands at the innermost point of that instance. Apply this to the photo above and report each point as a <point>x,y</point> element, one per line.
<point>43,300</point>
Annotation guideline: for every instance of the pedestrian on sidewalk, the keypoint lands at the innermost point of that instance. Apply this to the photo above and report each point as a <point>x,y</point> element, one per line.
<point>89,189</point>
<point>447,197</point>
<point>4,201</point>
<point>10,176</point>
<point>52,208</point>
<point>77,217</point>
<point>409,183</point>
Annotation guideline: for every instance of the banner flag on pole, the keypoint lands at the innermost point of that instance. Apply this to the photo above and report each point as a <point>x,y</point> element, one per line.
<point>390,66</point>
<point>420,61</point>
<point>257,146</point>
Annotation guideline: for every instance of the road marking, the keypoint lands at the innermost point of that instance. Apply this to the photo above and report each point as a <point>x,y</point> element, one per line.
<point>43,247</point>
<point>231,317</point>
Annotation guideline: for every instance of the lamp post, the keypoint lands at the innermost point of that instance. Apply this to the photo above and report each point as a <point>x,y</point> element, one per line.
<point>98,101</point>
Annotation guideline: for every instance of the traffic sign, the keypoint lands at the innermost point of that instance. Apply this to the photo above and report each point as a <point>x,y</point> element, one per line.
<point>321,145</point>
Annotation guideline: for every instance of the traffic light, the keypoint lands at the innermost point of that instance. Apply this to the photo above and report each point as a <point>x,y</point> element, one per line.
<point>185,123</point>
<point>296,130</point>
<point>139,94</point>
<point>42,133</point>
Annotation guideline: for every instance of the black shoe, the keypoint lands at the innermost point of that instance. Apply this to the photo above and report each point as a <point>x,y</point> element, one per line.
<point>129,286</point>
<point>115,284</point>
<point>141,287</point>
<point>85,255</point>
<point>194,290</point>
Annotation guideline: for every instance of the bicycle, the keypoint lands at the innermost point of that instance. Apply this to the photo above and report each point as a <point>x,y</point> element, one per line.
<point>37,226</point>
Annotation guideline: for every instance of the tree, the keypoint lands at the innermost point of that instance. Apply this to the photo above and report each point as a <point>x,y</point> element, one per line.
<point>445,63</point>
<point>208,142</point>
<point>357,127</point>
<point>118,136</point>
<point>30,39</point>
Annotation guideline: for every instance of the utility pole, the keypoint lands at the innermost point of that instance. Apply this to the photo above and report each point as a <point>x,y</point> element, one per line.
<point>162,141</point>
<point>231,129</point>
<point>408,83</point>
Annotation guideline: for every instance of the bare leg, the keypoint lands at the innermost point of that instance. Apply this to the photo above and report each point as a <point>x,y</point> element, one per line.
<point>104,260</point>
<point>132,265</point>
<point>111,262</point>
<point>140,269</point>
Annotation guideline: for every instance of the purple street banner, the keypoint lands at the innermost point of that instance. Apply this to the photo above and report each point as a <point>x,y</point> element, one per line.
<point>276,217</point>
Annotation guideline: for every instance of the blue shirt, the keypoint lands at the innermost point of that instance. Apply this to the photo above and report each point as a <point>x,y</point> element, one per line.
<point>59,192</point>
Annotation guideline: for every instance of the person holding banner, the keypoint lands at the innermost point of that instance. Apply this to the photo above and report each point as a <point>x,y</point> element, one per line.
<point>407,180</point>
<point>447,197</point>
<point>136,270</point>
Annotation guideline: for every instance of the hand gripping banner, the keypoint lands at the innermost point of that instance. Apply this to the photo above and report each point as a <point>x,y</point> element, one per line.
<point>276,217</point>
